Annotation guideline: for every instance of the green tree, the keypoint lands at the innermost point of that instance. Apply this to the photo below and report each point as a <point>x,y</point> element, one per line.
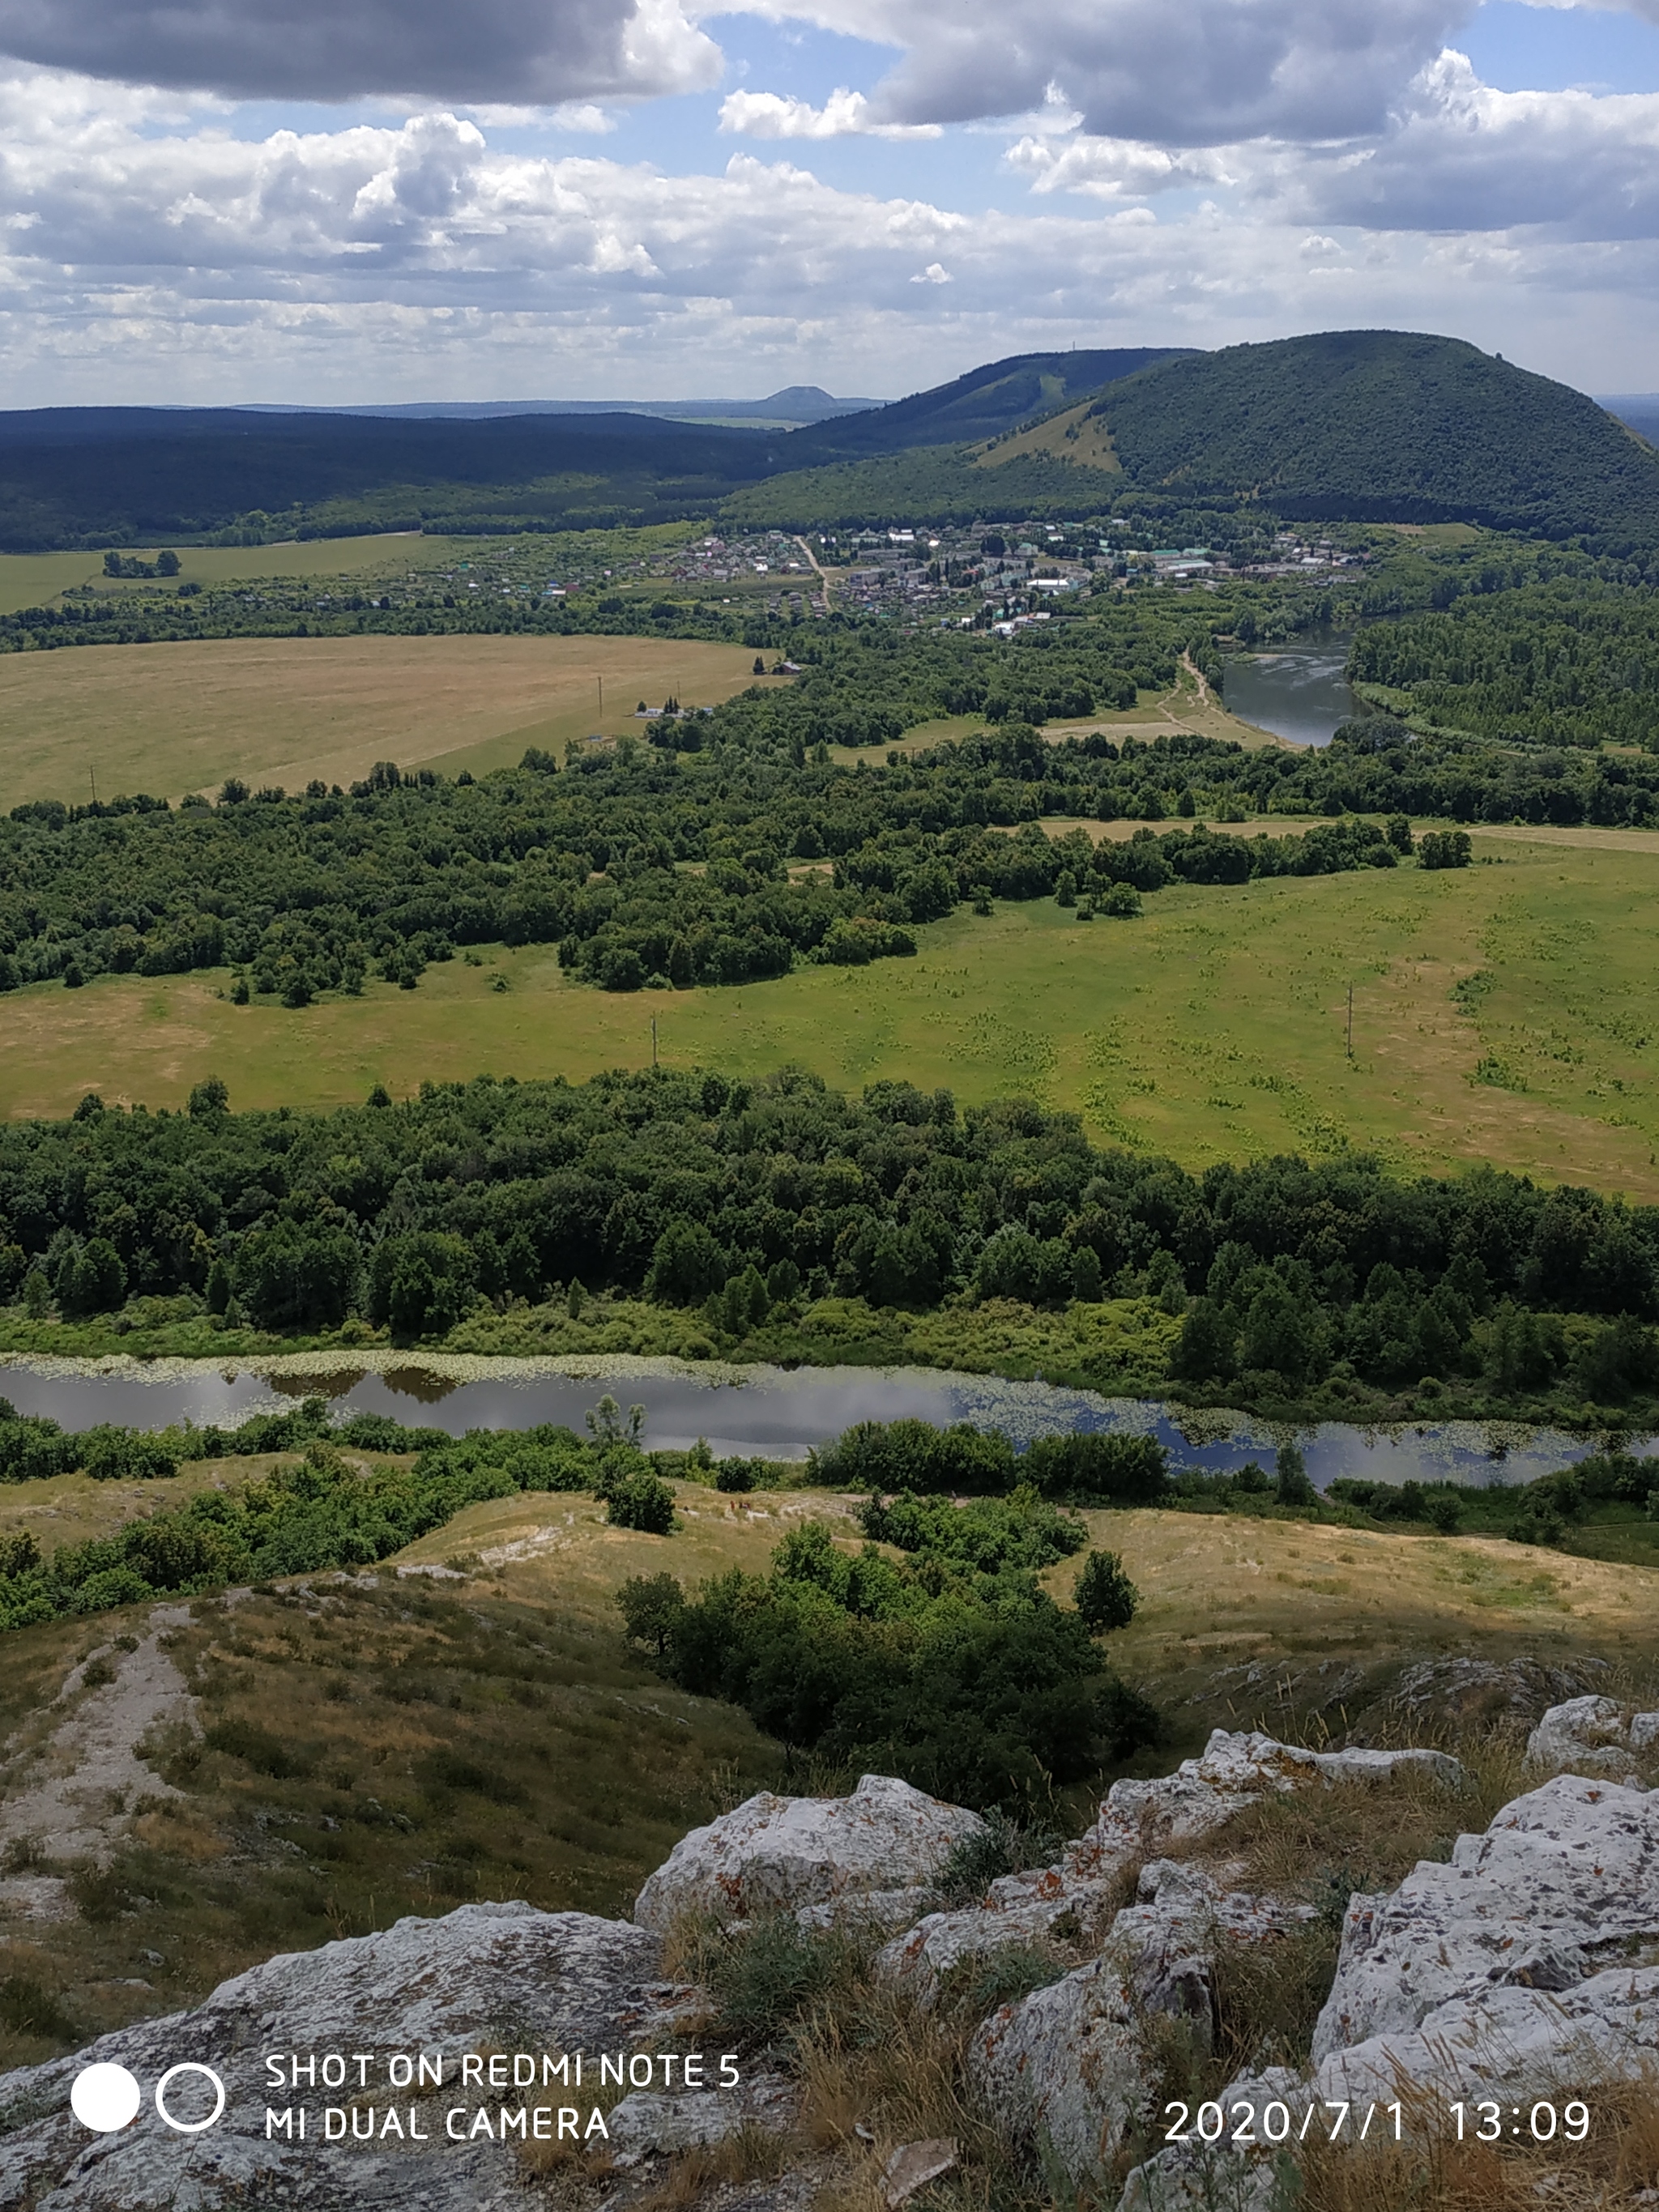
<point>1106,1598</point>
<point>96,1281</point>
<point>651,1606</point>
<point>642,1501</point>
<point>1292,1487</point>
<point>209,1097</point>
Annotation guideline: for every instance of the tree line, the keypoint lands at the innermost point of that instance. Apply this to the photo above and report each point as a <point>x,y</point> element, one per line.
<point>752,1201</point>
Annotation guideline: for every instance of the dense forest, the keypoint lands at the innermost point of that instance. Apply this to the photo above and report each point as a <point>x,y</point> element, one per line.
<point>1574,664</point>
<point>748,1204</point>
<point>728,847</point>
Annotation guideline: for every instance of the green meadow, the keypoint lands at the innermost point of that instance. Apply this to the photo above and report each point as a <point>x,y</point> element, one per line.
<point>1502,1012</point>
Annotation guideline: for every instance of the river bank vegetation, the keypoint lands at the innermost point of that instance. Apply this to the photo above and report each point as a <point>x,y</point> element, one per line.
<point>782,1220</point>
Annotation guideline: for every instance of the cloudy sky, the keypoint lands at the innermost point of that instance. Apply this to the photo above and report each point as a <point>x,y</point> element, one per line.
<point>340,200</point>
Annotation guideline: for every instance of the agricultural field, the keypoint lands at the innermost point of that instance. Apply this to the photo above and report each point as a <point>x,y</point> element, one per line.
<point>172,718</point>
<point>30,579</point>
<point>1501,1014</point>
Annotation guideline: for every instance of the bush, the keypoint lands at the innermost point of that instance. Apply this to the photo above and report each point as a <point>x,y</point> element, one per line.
<point>1445,848</point>
<point>643,1502</point>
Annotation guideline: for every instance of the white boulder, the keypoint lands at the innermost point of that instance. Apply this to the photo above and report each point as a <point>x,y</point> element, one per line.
<point>1066,2066</point>
<point>499,1977</point>
<point>1074,1901</point>
<point>779,1853</point>
<point>1562,1881</point>
<point>1588,1735</point>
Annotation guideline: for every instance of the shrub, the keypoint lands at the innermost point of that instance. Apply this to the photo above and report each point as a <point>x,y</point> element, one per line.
<point>641,1501</point>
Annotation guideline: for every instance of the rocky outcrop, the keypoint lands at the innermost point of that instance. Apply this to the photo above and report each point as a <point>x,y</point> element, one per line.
<point>1074,1900</point>
<point>1592,1735</point>
<point>1564,1880</point>
<point>1523,1964</point>
<point>1066,2067</point>
<point>488,1976</point>
<point>873,1853</point>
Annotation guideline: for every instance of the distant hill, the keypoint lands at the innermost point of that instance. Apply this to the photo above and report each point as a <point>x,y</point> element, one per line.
<point>983,403</point>
<point>1382,426</point>
<point>99,475</point>
<point>789,409</point>
<point>1354,425</point>
<point>1358,425</point>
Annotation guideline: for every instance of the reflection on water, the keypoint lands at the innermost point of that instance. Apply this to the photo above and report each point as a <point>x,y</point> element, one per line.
<point>336,1384</point>
<point>421,1384</point>
<point>1297,691</point>
<point>783,1415</point>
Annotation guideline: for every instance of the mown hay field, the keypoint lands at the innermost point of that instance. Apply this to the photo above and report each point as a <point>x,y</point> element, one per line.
<point>172,718</point>
<point>1502,1012</point>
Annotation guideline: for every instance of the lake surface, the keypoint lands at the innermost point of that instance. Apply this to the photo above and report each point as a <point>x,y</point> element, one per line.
<point>1298,691</point>
<point>763,1411</point>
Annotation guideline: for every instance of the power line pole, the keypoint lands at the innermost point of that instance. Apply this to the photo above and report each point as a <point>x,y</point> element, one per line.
<point>653,1040</point>
<point>93,774</point>
<point>602,698</point>
<point>1351,1021</point>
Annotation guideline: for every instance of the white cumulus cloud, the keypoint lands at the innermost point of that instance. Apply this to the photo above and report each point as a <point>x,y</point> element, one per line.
<point>844,115</point>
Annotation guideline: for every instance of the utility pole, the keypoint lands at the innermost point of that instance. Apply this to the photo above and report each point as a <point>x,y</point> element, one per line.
<point>602,698</point>
<point>93,774</point>
<point>1351,1021</point>
<point>653,1040</point>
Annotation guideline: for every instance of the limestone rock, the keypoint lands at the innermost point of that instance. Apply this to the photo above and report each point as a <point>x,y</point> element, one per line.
<point>502,1977</point>
<point>1644,1732</point>
<point>1066,2064</point>
<point>1234,1769</point>
<point>1074,1900</point>
<point>1562,1880</point>
<point>1511,1692</point>
<point>649,2122</point>
<point>1587,1735</point>
<point>913,2165</point>
<point>776,1854</point>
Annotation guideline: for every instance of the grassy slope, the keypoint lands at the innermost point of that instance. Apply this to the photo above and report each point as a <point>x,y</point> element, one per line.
<point>520,1671</point>
<point>596,1768</point>
<point>172,718</point>
<point>1210,1029</point>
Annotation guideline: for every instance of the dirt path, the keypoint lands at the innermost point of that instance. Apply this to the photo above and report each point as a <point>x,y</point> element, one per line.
<point>820,572</point>
<point>73,1800</point>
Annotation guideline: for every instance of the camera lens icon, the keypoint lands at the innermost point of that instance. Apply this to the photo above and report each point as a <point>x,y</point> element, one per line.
<point>107,2098</point>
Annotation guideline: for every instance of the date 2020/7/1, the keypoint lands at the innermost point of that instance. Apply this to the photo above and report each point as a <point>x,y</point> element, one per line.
<point>1246,2125</point>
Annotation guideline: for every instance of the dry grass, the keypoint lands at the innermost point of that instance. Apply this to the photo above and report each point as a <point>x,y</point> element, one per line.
<point>1432,2172</point>
<point>172,718</point>
<point>383,1750</point>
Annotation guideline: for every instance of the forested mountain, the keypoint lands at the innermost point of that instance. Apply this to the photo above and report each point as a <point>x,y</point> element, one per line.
<point>1372,425</point>
<point>122,476</point>
<point>983,403</point>
<point>1378,426</point>
<point>1387,426</point>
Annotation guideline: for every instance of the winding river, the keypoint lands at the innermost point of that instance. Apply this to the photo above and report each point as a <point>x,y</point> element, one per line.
<point>763,1410</point>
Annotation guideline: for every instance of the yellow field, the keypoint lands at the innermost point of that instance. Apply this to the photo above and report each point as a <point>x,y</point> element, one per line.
<point>1213,1027</point>
<point>168,719</point>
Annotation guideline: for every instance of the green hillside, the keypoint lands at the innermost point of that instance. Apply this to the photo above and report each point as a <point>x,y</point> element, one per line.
<point>987,401</point>
<point>1384,425</point>
<point>940,482</point>
<point>1378,426</point>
